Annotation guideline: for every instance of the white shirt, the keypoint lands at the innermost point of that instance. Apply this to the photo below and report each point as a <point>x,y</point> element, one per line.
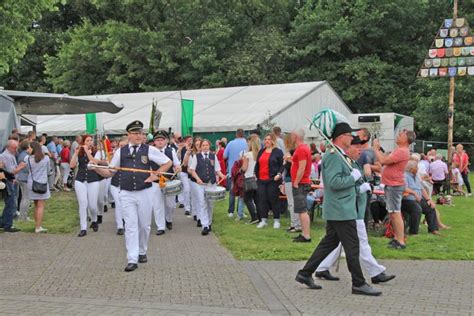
<point>153,154</point>
<point>251,165</point>
<point>193,162</point>
<point>176,162</point>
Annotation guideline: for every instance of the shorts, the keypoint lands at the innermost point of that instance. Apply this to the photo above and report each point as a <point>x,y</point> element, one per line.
<point>299,198</point>
<point>393,198</point>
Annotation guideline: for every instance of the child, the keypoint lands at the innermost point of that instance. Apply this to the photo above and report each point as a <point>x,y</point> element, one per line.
<point>456,179</point>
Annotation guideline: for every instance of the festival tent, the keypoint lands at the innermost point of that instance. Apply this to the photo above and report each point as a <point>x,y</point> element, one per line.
<point>217,111</point>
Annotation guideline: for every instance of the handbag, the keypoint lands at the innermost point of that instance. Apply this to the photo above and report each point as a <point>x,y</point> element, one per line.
<point>37,187</point>
<point>250,184</point>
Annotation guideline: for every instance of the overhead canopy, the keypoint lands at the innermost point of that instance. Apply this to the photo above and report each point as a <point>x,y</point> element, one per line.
<point>50,103</point>
<point>215,110</point>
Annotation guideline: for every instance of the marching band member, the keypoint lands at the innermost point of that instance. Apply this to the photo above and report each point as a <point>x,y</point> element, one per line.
<point>163,206</point>
<point>183,153</point>
<point>87,183</point>
<point>114,191</point>
<point>136,191</point>
<point>196,148</point>
<point>204,167</point>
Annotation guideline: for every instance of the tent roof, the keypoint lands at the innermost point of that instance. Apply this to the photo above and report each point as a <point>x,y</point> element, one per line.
<point>215,110</point>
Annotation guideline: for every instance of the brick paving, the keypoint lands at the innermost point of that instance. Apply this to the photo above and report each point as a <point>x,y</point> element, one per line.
<point>188,274</point>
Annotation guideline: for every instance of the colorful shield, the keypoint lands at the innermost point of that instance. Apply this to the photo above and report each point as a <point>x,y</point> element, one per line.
<point>454,32</point>
<point>433,72</point>
<point>448,23</point>
<point>432,53</point>
<point>462,71</point>
<point>458,41</point>
<point>449,52</point>
<point>439,42</point>
<point>460,22</point>
<point>440,52</point>
<point>452,71</point>
<point>442,72</point>
<point>464,31</point>
<point>468,40</point>
<point>448,42</point>
<point>424,72</point>
<point>443,33</point>
<point>470,61</point>
<point>465,51</point>
<point>436,62</point>
<point>461,61</point>
<point>444,62</point>
<point>470,71</point>
<point>453,61</point>
<point>428,62</point>
<point>457,51</point>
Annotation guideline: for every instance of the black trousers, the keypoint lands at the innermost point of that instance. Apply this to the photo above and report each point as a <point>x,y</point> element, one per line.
<point>268,195</point>
<point>346,233</point>
<point>411,211</point>
<point>250,199</point>
<point>465,178</point>
<point>430,216</point>
<point>439,186</point>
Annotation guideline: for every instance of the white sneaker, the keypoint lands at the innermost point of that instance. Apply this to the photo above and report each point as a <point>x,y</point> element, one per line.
<point>276,224</point>
<point>469,194</point>
<point>262,224</point>
<point>40,230</point>
<point>230,214</point>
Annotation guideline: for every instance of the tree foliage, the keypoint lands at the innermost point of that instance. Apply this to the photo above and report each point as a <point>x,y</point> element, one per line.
<point>369,50</point>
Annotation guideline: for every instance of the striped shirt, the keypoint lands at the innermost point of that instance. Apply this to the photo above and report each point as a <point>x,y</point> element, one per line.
<point>9,160</point>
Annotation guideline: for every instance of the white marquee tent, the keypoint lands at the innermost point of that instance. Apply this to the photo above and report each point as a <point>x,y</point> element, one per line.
<point>215,110</point>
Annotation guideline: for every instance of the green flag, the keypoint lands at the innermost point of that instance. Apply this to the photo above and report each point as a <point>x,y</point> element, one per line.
<point>91,123</point>
<point>187,109</point>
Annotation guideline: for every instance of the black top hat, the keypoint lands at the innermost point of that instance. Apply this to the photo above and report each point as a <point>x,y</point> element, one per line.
<point>160,134</point>
<point>135,126</point>
<point>342,128</point>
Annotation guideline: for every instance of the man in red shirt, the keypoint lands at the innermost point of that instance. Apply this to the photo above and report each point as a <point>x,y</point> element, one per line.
<point>393,177</point>
<point>461,158</point>
<point>300,172</point>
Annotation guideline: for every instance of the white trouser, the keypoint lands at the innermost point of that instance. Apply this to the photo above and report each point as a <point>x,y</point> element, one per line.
<point>136,211</point>
<point>295,219</point>
<point>103,195</point>
<point>366,258</point>
<point>204,205</point>
<point>193,198</point>
<point>185,196</point>
<point>25,200</point>
<point>118,206</point>
<point>87,198</point>
<point>65,168</point>
<point>159,207</point>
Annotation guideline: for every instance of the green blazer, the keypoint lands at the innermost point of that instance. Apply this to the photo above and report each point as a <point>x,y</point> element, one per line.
<point>340,189</point>
<point>361,197</point>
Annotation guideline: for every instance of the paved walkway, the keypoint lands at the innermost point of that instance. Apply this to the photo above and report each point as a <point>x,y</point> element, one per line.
<point>188,274</point>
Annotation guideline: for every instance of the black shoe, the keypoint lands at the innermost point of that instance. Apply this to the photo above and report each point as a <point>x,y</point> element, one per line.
<point>99,219</point>
<point>131,267</point>
<point>142,259</point>
<point>396,245</point>
<point>199,223</point>
<point>169,225</point>
<point>11,230</point>
<point>120,231</point>
<point>382,277</point>
<point>366,290</point>
<point>391,242</point>
<point>112,205</point>
<point>195,218</point>
<point>205,231</point>
<point>308,281</point>
<point>301,238</point>
<point>105,209</point>
<point>82,233</point>
<point>187,213</point>
<point>181,206</point>
<point>94,226</point>
<point>326,275</point>
<point>160,232</point>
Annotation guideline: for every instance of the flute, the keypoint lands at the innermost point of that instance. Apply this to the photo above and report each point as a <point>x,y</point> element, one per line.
<point>94,166</point>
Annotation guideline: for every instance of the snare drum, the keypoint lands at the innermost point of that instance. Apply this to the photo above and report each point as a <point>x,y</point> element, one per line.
<point>214,193</point>
<point>172,188</point>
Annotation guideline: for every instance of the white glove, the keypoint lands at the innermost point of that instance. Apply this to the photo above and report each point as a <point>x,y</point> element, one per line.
<point>365,187</point>
<point>355,173</point>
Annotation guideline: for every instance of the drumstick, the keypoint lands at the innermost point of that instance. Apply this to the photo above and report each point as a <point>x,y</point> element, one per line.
<point>91,166</point>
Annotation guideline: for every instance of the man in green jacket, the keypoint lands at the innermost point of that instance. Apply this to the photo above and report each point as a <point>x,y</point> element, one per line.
<point>341,187</point>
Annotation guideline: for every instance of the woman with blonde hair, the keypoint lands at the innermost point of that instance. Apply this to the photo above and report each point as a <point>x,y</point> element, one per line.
<point>268,169</point>
<point>250,181</point>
